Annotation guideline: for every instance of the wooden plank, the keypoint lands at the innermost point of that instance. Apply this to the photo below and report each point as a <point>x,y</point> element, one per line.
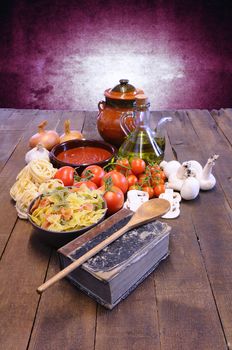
<point>187,312</point>
<point>190,256</point>
<point>90,126</point>
<point>22,267</point>
<point>10,171</point>
<point>64,306</point>
<point>216,143</point>
<point>187,322</point>
<point>65,318</point>
<point>25,268</point>
<point>223,118</point>
<point>133,324</point>
<point>213,226</point>
<point>181,277</point>
<point>77,119</point>
<point>8,143</point>
<point>18,120</point>
<point>19,257</point>
<point>5,113</point>
<point>186,316</point>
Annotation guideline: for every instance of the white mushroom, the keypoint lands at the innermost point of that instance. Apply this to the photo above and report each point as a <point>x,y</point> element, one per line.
<point>190,188</point>
<point>170,167</point>
<point>194,166</point>
<point>176,179</point>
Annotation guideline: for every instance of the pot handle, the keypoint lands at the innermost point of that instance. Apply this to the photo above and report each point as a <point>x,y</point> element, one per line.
<point>101,105</point>
<point>124,126</point>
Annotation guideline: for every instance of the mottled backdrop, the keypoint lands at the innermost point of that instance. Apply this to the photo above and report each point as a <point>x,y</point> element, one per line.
<point>59,54</point>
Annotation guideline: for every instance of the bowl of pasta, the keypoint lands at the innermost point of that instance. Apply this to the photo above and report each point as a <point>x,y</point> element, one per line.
<point>65,213</point>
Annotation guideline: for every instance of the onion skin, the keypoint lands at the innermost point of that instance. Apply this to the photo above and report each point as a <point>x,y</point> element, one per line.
<point>70,134</point>
<point>47,138</point>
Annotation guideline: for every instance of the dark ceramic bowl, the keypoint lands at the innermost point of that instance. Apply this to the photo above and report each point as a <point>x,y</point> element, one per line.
<point>64,146</point>
<point>58,239</point>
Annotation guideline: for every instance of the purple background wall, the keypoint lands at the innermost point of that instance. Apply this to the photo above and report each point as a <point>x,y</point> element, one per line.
<point>64,54</point>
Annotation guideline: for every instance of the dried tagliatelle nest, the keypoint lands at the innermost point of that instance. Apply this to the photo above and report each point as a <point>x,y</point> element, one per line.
<point>34,179</point>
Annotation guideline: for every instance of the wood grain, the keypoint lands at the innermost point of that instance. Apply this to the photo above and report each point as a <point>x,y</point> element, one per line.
<point>23,265</point>
<point>190,278</point>
<point>184,304</point>
<point>12,168</point>
<point>133,324</point>
<point>65,318</point>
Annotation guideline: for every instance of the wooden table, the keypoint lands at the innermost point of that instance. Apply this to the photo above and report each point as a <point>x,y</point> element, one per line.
<point>185,304</point>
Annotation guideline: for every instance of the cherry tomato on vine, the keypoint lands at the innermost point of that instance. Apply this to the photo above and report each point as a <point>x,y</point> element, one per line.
<point>93,173</point>
<point>149,190</point>
<point>153,168</point>
<point>122,165</point>
<point>157,179</point>
<point>132,180</point>
<point>163,176</point>
<point>138,166</point>
<point>118,180</point>
<point>114,198</point>
<point>145,179</point>
<point>134,187</point>
<point>158,190</point>
<point>66,175</point>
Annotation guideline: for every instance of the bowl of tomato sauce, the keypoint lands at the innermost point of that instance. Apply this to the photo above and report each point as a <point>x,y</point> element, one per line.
<point>81,153</point>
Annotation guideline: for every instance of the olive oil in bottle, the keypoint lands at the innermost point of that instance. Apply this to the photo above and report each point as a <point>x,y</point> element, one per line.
<point>140,142</point>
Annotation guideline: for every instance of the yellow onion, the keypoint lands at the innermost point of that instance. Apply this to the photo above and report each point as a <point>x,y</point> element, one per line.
<point>70,134</point>
<point>47,138</point>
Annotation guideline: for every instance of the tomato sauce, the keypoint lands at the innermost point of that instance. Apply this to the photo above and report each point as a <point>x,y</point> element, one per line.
<point>84,155</point>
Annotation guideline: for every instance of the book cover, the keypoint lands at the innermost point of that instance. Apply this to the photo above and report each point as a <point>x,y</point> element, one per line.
<point>113,273</point>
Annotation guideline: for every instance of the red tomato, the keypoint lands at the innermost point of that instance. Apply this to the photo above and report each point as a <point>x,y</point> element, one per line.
<point>65,174</point>
<point>149,190</point>
<point>90,184</point>
<point>158,190</point>
<point>118,180</point>
<point>138,166</point>
<point>93,173</point>
<point>132,180</point>
<point>122,165</point>
<point>114,199</point>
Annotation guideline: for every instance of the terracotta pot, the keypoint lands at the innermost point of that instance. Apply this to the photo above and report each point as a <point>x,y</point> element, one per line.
<point>118,100</point>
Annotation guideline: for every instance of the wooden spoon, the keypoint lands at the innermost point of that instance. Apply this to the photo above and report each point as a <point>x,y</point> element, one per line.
<point>147,212</point>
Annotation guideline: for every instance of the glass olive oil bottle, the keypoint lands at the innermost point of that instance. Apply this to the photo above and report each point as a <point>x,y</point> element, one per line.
<point>140,142</point>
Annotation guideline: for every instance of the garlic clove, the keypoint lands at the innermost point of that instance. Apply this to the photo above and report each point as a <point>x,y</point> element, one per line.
<point>38,152</point>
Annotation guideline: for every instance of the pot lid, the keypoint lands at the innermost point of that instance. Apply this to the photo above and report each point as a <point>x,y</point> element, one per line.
<point>123,91</point>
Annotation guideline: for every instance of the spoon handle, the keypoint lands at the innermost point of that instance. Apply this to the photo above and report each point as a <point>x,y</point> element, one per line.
<point>83,258</point>
<point>136,220</point>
